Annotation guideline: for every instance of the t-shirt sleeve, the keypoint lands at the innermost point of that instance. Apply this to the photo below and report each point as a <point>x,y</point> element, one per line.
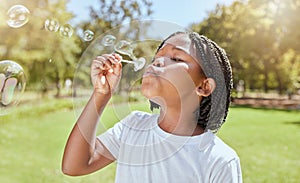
<point>230,172</point>
<point>111,139</point>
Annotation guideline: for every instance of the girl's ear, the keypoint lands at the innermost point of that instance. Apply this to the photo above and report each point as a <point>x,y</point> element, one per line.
<point>206,87</point>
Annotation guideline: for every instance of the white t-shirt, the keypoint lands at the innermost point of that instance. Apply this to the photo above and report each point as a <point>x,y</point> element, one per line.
<point>145,153</point>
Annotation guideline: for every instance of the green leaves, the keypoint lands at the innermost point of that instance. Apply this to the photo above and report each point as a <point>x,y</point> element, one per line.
<point>47,57</point>
<point>257,35</point>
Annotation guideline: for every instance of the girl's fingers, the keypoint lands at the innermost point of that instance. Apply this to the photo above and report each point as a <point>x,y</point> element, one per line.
<point>106,72</point>
<point>106,62</point>
<point>117,57</point>
<point>98,64</point>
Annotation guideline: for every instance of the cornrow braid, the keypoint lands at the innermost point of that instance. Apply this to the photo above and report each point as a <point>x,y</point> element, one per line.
<point>227,71</point>
<point>204,111</point>
<point>215,64</point>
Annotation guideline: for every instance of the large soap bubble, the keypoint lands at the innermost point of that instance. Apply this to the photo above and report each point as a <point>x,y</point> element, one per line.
<point>18,15</point>
<point>145,37</point>
<point>12,84</point>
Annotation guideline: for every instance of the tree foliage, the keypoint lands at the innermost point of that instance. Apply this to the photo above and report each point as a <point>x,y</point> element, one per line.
<point>47,57</point>
<point>120,19</point>
<point>261,38</point>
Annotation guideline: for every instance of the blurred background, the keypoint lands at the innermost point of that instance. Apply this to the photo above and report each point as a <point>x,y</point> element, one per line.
<point>46,47</point>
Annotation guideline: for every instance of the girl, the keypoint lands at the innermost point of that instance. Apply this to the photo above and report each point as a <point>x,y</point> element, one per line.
<point>190,81</point>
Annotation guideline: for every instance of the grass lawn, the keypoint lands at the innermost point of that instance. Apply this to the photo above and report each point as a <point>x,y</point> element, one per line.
<point>32,139</point>
<point>267,142</point>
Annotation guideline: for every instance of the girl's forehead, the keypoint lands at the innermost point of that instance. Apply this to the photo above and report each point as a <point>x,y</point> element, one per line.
<point>183,42</point>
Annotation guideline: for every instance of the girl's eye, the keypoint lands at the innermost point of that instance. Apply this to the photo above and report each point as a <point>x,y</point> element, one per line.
<point>177,60</point>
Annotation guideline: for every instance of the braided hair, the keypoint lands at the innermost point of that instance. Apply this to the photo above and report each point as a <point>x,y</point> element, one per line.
<point>215,64</point>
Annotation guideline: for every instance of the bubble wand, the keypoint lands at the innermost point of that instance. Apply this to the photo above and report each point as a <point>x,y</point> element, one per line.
<point>125,47</point>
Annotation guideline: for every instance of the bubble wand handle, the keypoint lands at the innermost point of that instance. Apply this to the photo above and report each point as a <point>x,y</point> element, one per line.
<point>127,61</point>
<point>138,64</point>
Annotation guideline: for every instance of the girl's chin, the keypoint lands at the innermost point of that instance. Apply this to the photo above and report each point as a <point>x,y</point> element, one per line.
<point>147,94</point>
<point>148,90</point>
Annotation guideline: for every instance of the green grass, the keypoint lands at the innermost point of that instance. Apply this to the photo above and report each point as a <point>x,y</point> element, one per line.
<point>32,139</point>
<point>267,142</point>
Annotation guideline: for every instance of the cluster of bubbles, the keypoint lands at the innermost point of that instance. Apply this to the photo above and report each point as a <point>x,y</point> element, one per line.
<point>18,15</point>
<point>12,77</point>
<point>126,48</point>
<point>52,25</point>
<point>12,84</point>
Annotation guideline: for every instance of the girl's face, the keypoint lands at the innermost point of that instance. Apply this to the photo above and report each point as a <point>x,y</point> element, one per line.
<point>175,73</point>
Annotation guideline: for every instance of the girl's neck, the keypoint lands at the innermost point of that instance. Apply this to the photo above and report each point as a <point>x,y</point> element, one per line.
<point>179,123</point>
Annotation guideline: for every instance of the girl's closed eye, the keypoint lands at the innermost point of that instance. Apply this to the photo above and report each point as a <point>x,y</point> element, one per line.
<point>175,59</point>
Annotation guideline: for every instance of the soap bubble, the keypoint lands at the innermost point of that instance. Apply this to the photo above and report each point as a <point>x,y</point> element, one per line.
<point>126,48</point>
<point>88,35</point>
<point>51,25</point>
<point>12,84</point>
<point>143,45</point>
<point>108,40</point>
<point>18,15</point>
<point>66,30</point>
<point>137,64</point>
<point>127,97</point>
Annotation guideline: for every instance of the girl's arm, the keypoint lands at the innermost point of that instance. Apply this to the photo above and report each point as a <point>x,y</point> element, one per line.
<point>83,152</point>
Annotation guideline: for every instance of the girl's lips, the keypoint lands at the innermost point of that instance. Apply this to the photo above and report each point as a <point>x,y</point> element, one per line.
<point>149,73</point>
<point>153,71</point>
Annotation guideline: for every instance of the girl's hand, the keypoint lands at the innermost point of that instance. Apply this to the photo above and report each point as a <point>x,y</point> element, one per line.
<point>106,71</point>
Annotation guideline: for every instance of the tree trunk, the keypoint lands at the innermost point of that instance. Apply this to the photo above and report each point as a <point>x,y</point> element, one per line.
<point>57,84</point>
<point>280,88</point>
<point>266,77</point>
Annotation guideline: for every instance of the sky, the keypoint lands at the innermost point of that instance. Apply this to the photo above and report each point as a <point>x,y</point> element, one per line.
<point>181,12</point>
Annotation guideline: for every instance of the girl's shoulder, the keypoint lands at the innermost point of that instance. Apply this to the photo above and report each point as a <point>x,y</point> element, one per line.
<point>140,120</point>
<point>222,151</point>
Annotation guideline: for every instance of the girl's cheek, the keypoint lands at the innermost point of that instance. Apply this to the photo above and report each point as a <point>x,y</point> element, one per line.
<point>178,66</point>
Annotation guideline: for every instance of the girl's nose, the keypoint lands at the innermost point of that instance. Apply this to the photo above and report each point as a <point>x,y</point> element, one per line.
<point>159,62</point>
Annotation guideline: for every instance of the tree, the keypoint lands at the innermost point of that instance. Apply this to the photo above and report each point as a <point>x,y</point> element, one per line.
<point>261,39</point>
<point>109,18</point>
<point>47,57</point>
